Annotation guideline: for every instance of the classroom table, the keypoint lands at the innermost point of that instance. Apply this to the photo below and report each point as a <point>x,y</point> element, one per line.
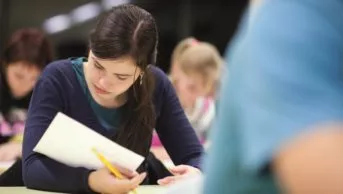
<point>23,190</point>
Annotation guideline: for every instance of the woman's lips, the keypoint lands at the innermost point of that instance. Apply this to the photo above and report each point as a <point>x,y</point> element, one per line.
<point>100,90</point>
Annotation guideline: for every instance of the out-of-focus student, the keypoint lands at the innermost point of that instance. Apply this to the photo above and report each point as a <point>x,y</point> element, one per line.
<point>27,53</point>
<point>196,68</point>
<point>280,117</point>
<point>195,74</point>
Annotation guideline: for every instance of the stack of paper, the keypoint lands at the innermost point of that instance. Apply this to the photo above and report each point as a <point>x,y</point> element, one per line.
<point>147,189</point>
<point>70,142</point>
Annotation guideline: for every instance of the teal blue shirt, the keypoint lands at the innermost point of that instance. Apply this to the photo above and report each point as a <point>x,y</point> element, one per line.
<point>108,117</point>
<point>286,75</point>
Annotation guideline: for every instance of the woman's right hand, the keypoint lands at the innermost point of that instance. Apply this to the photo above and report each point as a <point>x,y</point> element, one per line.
<point>10,151</point>
<point>103,181</point>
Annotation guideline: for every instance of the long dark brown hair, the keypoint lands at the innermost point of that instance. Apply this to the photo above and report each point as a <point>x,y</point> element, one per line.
<point>127,30</point>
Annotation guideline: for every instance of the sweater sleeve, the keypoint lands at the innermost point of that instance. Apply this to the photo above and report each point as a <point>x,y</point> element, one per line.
<point>174,129</point>
<point>39,171</point>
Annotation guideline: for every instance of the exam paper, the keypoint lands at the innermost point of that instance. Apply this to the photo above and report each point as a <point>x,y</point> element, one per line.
<point>70,142</point>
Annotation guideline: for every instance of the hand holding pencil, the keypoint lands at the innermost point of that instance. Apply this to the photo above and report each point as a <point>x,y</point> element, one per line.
<point>110,180</point>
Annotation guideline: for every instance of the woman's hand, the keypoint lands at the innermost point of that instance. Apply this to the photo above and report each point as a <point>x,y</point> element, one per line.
<point>103,181</point>
<point>180,172</point>
<point>10,151</point>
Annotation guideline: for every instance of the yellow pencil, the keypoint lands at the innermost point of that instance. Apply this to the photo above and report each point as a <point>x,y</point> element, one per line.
<point>108,165</point>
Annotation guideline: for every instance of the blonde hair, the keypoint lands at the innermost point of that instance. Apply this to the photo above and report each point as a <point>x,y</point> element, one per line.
<point>195,57</point>
<point>181,47</point>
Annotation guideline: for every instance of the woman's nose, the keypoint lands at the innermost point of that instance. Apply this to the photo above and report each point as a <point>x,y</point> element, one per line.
<point>104,83</point>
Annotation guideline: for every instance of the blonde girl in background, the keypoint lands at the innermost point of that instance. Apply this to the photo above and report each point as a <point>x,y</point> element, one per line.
<point>195,74</point>
<point>196,68</point>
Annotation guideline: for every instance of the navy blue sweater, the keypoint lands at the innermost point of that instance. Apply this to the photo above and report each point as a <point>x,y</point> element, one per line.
<point>59,90</point>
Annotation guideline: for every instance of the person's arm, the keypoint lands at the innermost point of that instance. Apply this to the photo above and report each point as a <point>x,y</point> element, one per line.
<point>174,129</point>
<point>312,163</point>
<point>39,171</point>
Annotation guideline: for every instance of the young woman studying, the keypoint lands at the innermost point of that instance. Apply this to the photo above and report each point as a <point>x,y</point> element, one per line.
<point>118,93</point>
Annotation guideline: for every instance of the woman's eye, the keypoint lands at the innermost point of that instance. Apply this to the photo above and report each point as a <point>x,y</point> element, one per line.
<point>121,78</point>
<point>97,66</point>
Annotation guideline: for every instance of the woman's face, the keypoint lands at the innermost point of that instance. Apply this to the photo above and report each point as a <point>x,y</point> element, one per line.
<point>189,88</point>
<point>109,78</point>
<point>21,78</point>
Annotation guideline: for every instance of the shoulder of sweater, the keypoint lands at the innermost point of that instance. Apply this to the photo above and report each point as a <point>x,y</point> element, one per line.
<point>60,75</point>
<point>57,69</point>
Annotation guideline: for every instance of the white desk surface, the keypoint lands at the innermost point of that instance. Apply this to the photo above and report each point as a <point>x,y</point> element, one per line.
<point>23,190</point>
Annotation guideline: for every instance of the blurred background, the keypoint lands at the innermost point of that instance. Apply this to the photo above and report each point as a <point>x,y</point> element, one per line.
<point>68,22</point>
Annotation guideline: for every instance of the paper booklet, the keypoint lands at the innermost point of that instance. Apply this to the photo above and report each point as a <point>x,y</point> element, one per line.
<point>70,142</point>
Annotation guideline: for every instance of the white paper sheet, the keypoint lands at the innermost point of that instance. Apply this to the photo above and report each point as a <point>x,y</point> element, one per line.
<point>70,142</point>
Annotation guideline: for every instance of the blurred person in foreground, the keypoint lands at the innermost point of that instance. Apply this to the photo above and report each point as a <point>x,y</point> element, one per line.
<point>279,125</point>
<point>280,120</point>
<point>27,53</point>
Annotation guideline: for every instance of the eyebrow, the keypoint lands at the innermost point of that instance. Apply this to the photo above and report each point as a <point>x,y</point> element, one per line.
<point>117,74</point>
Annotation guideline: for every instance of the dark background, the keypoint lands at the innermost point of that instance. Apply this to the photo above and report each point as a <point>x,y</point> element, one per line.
<point>214,21</point>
